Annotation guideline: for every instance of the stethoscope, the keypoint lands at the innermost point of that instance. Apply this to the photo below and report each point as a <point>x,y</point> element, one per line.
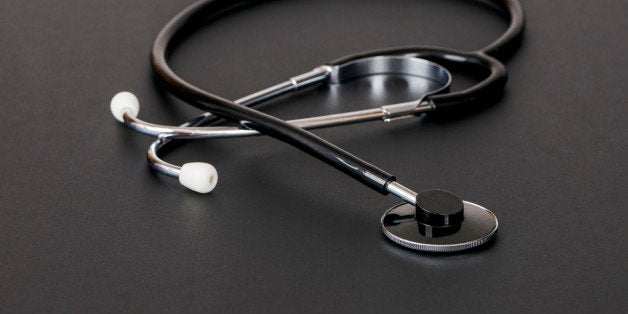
<point>431,220</point>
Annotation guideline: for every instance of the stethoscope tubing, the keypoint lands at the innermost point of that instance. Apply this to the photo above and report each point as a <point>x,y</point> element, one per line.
<point>366,173</point>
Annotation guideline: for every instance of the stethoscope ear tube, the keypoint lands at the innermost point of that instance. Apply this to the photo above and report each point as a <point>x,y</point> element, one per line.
<point>484,91</point>
<point>504,46</point>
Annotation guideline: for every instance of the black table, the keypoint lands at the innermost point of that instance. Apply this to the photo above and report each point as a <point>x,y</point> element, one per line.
<point>86,226</point>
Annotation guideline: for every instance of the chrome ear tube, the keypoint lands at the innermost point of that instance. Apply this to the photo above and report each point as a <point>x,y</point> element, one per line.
<point>430,220</point>
<point>125,107</point>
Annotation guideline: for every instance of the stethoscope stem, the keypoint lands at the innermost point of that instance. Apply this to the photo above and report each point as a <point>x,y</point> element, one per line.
<point>397,189</point>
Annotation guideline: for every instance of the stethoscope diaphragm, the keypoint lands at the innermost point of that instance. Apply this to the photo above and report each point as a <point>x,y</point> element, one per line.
<point>461,228</point>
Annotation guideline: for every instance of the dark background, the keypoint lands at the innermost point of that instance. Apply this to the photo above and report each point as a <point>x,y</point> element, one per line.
<point>86,226</point>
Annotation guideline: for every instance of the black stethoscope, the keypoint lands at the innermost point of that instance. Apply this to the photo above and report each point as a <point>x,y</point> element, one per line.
<point>431,220</point>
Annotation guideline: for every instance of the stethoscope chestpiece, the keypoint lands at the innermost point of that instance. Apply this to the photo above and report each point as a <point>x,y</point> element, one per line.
<point>440,222</point>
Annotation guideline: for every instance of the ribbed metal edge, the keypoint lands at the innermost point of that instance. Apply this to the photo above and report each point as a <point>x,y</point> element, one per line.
<point>442,248</point>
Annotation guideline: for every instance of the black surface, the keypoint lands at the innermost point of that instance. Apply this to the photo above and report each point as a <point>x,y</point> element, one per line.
<point>86,226</point>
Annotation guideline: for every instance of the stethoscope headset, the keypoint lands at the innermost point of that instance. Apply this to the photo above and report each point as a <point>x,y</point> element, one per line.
<point>431,220</point>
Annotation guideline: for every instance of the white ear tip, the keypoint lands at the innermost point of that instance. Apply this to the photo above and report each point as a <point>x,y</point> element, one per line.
<point>124,101</point>
<point>198,176</point>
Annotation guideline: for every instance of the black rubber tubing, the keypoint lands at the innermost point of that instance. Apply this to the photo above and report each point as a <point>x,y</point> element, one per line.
<point>188,20</point>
